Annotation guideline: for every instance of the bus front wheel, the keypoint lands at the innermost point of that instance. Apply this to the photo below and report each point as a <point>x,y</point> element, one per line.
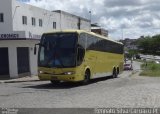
<point>114,75</point>
<point>86,77</point>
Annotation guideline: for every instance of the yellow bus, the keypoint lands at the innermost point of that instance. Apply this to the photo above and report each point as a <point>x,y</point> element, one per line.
<point>77,55</point>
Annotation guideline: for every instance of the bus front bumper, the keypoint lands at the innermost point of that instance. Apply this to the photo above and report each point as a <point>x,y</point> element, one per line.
<point>71,78</point>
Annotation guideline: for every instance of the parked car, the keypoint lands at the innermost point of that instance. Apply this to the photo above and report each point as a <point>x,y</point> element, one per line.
<point>157,62</point>
<point>138,56</point>
<point>128,66</point>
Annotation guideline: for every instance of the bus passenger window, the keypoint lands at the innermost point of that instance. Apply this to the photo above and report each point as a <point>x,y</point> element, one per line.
<point>80,55</point>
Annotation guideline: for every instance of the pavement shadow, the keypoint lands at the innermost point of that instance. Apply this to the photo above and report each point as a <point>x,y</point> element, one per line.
<point>67,85</point>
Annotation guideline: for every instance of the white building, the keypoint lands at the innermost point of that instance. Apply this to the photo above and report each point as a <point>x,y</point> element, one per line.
<point>21,26</point>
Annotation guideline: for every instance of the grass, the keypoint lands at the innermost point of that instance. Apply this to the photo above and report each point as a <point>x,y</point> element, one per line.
<point>150,69</point>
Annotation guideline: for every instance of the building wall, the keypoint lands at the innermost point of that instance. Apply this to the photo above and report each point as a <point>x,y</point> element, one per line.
<point>14,10</point>
<point>5,8</point>
<point>12,52</point>
<point>69,21</point>
<point>67,18</point>
<point>86,25</point>
<point>63,19</point>
<point>47,17</point>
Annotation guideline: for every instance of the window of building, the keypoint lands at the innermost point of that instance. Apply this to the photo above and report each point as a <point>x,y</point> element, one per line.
<point>54,25</point>
<point>24,20</point>
<point>33,21</point>
<point>1,17</point>
<point>40,22</point>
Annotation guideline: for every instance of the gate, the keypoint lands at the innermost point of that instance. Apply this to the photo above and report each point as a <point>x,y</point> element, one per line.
<point>4,63</point>
<point>23,60</point>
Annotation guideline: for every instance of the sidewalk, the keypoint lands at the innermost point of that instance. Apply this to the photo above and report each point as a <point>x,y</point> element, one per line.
<point>23,79</point>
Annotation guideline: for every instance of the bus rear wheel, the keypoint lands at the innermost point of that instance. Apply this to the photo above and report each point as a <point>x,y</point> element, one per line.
<point>86,77</point>
<point>117,71</point>
<point>114,74</point>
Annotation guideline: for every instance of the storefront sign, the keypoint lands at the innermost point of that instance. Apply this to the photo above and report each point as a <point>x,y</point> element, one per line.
<point>9,35</point>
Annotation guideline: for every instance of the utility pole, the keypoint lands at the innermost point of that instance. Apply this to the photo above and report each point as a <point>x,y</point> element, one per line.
<point>90,18</point>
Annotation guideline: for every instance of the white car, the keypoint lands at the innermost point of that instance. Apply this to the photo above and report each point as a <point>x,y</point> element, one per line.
<point>128,66</point>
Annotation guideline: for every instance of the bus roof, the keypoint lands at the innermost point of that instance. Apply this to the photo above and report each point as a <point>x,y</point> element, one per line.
<point>83,31</point>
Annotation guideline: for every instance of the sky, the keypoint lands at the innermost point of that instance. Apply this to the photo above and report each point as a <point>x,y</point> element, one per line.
<point>122,18</point>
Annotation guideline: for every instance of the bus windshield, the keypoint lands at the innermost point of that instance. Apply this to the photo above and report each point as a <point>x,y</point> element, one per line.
<point>58,50</point>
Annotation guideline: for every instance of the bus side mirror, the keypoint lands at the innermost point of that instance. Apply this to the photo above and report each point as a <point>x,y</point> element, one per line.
<point>35,48</point>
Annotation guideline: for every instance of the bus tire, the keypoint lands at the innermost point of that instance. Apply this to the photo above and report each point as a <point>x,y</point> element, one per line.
<point>55,82</point>
<point>86,77</point>
<point>117,70</point>
<point>114,74</point>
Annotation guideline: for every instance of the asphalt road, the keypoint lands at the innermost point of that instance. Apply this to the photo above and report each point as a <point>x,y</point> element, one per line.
<point>128,90</point>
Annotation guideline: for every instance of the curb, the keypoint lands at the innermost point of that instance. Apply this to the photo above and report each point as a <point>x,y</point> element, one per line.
<point>20,81</point>
<point>1,82</point>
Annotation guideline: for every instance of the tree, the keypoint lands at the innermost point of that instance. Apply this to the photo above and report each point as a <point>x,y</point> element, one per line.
<point>149,45</point>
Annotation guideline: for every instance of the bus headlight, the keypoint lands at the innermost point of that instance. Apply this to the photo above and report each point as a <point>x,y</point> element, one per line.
<point>69,73</point>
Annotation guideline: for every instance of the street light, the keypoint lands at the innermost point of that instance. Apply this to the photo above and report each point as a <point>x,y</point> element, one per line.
<point>90,18</point>
<point>90,15</point>
<point>15,11</point>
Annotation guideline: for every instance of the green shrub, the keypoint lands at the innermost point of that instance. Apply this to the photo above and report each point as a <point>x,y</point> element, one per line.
<point>151,69</point>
